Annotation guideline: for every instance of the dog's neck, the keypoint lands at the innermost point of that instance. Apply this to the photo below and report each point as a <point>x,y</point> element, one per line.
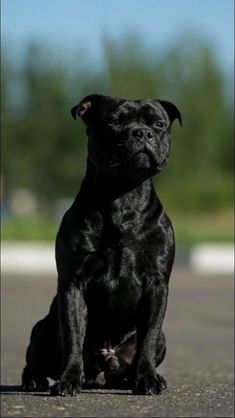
<point>99,192</point>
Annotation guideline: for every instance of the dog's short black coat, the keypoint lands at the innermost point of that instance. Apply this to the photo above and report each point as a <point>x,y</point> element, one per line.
<point>114,252</point>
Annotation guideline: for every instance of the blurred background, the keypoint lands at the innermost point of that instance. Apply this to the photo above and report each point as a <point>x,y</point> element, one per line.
<point>54,53</point>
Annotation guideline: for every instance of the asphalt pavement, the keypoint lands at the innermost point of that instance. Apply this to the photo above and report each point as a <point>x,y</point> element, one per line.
<point>199,365</point>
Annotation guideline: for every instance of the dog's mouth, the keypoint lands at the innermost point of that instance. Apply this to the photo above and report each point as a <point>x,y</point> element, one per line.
<point>144,158</point>
<point>141,162</point>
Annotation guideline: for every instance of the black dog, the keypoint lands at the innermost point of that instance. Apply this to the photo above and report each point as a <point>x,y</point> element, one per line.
<point>114,253</point>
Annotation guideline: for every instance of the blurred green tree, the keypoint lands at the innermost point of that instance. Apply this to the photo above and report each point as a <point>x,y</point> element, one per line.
<point>202,156</point>
<point>45,151</point>
<point>40,151</point>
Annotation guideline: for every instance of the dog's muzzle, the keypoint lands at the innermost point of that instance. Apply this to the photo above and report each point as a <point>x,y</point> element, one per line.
<point>144,134</point>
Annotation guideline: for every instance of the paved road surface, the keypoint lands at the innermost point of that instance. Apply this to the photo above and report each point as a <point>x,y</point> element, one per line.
<point>198,366</point>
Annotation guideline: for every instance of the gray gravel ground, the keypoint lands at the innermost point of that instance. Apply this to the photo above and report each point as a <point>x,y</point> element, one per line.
<point>198,367</point>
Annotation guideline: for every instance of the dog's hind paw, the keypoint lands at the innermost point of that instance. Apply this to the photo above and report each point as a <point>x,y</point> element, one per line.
<point>64,387</point>
<point>150,385</point>
<point>35,385</point>
<point>29,385</point>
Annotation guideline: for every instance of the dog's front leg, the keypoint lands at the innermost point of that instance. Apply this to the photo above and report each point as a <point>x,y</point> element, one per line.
<point>147,381</point>
<point>73,319</point>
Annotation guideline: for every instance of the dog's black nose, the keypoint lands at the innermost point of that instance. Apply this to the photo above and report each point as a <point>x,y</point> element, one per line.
<point>142,133</point>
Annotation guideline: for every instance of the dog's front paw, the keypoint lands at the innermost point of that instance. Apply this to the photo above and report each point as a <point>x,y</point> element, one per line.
<point>149,384</point>
<point>64,387</point>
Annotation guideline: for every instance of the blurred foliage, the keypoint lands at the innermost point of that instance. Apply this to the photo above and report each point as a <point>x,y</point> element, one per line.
<point>30,228</point>
<point>45,150</point>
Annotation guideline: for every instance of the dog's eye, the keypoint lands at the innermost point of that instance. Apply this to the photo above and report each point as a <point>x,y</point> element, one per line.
<point>160,124</point>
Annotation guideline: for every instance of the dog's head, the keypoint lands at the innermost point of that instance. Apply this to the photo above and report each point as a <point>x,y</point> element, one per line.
<point>127,138</point>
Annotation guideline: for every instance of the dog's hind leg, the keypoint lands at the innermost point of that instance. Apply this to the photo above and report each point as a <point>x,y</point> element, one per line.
<point>161,348</point>
<point>160,355</point>
<point>43,357</point>
<point>32,381</point>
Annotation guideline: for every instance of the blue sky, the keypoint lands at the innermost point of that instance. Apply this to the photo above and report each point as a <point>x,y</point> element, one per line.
<point>71,23</point>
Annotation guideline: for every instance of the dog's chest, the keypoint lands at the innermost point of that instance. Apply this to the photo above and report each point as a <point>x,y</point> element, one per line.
<point>120,259</point>
<point>115,289</point>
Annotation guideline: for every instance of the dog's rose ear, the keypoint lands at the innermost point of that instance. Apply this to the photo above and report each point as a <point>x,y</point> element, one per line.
<point>80,109</point>
<point>172,111</point>
<point>88,107</point>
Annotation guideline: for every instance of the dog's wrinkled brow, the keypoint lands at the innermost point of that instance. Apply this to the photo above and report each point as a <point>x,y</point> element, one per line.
<point>124,109</point>
<point>128,106</point>
<point>149,107</point>
<point>139,106</point>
